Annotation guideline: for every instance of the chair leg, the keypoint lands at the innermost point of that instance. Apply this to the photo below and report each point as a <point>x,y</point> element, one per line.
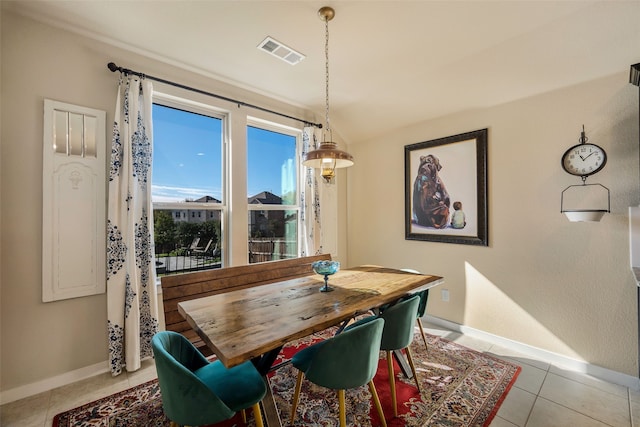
<point>244,416</point>
<point>392,383</point>
<point>173,424</point>
<point>296,395</point>
<point>257,414</point>
<point>376,401</point>
<point>343,411</point>
<point>424,337</point>
<point>413,368</point>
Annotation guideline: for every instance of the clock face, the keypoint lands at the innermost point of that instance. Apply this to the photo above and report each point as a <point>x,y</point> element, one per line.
<point>584,159</point>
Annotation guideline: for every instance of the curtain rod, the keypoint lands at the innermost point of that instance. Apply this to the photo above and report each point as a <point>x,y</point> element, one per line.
<point>113,67</point>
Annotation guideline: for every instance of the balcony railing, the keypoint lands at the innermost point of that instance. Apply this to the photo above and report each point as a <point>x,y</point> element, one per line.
<point>168,264</point>
<point>271,249</point>
<point>188,260</point>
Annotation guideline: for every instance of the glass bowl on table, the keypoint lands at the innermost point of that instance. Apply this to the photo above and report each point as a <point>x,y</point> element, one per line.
<point>326,269</point>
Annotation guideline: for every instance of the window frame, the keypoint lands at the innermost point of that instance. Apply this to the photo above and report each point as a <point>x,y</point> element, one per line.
<point>231,123</point>
<point>297,134</point>
<point>195,107</point>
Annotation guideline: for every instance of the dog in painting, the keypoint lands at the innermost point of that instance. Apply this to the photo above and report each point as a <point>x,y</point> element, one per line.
<point>431,201</point>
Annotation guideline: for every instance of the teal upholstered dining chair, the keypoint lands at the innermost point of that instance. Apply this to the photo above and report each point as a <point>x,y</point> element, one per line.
<point>422,307</point>
<point>345,361</point>
<point>195,391</point>
<point>399,321</point>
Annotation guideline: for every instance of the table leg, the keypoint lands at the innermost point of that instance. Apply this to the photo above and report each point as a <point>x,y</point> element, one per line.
<point>264,364</point>
<point>404,365</point>
<point>269,409</point>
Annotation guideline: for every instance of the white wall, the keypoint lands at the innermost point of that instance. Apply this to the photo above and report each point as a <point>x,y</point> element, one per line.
<point>543,281</point>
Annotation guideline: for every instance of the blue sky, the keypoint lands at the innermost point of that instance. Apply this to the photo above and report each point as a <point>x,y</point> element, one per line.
<point>187,156</point>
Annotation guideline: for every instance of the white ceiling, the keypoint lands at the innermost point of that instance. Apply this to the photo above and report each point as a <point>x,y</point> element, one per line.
<point>392,63</point>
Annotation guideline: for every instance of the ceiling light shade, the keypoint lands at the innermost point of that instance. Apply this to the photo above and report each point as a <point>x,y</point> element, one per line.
<point>327,157</point>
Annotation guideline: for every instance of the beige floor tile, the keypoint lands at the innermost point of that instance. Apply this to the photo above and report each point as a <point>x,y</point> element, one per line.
<point>472,343</point>
<point>590,401</point>
<point>592,381</point>
<point>517,406</point>
<point>49,421</point>
<point>549,414</point>
<point>530,378</point>
<point>518,358</point>
<point>31,411</point>
<point>500,422</point>
<point>438,331</point>
<point>147,372</point>
<point>85,391</point>
<point>635,413</point>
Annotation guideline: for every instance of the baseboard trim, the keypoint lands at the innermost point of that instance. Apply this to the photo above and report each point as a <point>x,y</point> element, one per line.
<point>32,389</point>
<point>541,354</point>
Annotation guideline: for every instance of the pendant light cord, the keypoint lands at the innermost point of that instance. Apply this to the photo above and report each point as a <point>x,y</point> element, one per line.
<point>326,69</point>
<point>327,156</point>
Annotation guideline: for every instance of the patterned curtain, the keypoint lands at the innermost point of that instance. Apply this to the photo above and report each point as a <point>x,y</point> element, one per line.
<point>310,200</point>
<point>132,310</point>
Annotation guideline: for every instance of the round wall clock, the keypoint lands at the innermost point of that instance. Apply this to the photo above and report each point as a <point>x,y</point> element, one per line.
<point>584,159</point>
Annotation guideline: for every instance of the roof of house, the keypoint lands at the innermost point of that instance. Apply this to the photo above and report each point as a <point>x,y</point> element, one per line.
<point>265,198</point>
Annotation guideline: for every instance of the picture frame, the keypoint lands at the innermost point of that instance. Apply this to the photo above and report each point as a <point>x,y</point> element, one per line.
<point>446,189</point>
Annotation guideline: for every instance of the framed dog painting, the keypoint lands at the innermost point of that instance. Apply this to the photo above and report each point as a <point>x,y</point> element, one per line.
<point>446,189</point>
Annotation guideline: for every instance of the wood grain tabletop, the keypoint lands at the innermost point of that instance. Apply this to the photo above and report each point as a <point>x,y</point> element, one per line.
<point>247,323</point>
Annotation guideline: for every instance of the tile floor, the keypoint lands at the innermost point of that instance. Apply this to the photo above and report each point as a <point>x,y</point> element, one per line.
<point>543,396</point>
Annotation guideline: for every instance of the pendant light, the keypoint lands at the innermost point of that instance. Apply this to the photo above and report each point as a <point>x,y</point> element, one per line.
<point>327,157</point>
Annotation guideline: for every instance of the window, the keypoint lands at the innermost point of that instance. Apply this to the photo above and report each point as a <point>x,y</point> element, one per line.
<point>196,204</point>
<point>187,178</point>
<point>272,186</point>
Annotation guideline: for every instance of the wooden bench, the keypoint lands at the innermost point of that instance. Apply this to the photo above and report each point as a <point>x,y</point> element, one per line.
<point>183,287</point>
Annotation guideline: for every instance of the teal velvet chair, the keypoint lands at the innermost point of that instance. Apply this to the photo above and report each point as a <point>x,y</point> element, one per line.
<point>346,361</point>
<point>399,322</point>
<point>197,392</point>
<point>422,307</point>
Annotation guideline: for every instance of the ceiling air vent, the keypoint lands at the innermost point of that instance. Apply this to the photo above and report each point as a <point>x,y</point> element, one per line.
<point>277,49</point>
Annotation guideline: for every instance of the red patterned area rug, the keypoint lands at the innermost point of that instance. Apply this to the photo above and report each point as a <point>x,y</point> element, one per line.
<point>460,387</point>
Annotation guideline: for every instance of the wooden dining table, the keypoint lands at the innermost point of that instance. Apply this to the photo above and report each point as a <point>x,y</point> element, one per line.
<point>255,323</point>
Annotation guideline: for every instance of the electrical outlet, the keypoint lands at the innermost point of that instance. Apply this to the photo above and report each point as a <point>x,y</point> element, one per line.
<point>445,295</point>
